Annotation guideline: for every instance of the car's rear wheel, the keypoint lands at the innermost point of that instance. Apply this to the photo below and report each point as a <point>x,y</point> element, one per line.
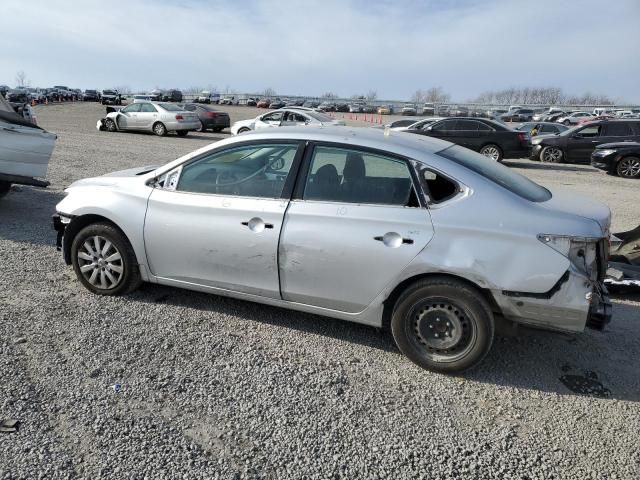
<point>443,324</point>
<point>244,129</point>
<point>566,123</point>
<point>4,188</point>
<point>551,155</point>
<point>104,261</point>
<point>182,133</point>
<point>159,129</point>
<point>494,152</point>
<point>110,125</point>
<point>218,129</point>
<point>629,167</point>
<point>203,128</point>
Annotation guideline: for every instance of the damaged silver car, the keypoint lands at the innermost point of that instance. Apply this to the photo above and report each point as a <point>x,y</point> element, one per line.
<point>387,229</point>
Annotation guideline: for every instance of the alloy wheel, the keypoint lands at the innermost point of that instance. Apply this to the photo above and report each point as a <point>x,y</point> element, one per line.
<point>629,167</point>
<point>100,262</point>
<point>551,154</point>
<point>491,152</point>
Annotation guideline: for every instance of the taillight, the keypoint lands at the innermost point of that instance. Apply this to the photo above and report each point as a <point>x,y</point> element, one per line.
<point>179,117</point>
<point>523,137</point>
<point>212,114</point>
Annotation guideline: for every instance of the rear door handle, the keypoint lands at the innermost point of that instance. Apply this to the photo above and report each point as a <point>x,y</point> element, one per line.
<point>393,240</point>
<point>256,224</point>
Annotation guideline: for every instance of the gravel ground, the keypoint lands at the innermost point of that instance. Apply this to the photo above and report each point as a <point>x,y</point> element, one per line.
<point>166,383</point>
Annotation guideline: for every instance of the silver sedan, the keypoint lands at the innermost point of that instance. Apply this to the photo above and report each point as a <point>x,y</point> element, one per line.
<point>381,228</point>
<point>157,117</point>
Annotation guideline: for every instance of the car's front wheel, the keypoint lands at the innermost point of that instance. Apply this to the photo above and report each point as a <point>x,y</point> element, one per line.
<point>110,125</point>
<point>551,155</point>
<point>104,260</point>
<point>159,129</point>
<point>443,324</point>
<point>492,151</point>
<point>243,129</point>
<point>629,167</point>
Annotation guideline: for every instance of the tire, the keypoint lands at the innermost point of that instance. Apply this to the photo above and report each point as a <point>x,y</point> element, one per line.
<point>551,155</point>
<point>443,324</point>
<point>492,151</point>
<point>218,129</point>
<point>244,129</point>
<point>182,133</point>
<point>4,188</point>
<point>566,123</point>
<point>203,128</point>
<point>108,267</point>
<point>110,125</point>
<point>628,167</point>
<point>159,129</point>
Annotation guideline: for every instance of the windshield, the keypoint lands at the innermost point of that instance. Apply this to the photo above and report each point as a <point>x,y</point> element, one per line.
<point>497,173</point>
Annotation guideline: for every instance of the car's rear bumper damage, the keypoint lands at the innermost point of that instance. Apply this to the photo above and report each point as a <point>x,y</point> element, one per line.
<point>574,302</point>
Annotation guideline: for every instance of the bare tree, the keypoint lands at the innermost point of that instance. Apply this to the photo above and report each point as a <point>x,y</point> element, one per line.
<point>418,96</point>
<point>329,96</point>
<point>269,92</point>
<point>21,79</point>
<point>371,95</point>
<point>436,95</point>
<point>123,89</point>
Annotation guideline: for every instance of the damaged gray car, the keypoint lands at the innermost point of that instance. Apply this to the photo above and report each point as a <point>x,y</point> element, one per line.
<point>388,229</point>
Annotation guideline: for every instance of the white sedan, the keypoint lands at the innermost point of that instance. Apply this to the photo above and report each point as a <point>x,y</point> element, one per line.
<point>157,117</point>
<point>285,117</point>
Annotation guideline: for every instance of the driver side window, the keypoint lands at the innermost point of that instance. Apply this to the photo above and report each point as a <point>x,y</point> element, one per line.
<point>134,107</point>
<point>272,117</point>
<point>249,171</point>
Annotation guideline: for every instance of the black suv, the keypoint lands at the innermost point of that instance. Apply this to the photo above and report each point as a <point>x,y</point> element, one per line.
<point>576,144</point>
<point>492,139</point>
<point>621,158</point>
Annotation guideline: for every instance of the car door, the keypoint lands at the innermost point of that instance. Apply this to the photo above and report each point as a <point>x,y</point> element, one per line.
<point>216,220</point>
<point>128,118</point>
<point>617,132</point>
<point>269,120</point>
<point>353,226</point>
<point>147,117</point>
<point>582,142</point>
<point>466,134</point>
<point>294,119</point>
<point>445,129</point>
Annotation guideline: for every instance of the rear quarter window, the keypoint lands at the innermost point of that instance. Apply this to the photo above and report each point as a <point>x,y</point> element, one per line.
<point>497,173</point>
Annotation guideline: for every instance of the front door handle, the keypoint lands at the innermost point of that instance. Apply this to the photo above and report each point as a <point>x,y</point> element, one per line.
<point>595,141</point>
<point>256,224</point>
<point>393,240</point>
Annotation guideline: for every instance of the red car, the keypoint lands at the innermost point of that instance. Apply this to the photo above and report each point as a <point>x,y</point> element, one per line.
<point>264,103</point>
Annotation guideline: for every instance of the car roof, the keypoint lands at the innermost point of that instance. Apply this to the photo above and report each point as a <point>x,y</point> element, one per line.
<point>407,144</point>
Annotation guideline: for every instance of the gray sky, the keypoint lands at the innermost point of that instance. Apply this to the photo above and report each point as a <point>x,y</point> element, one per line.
<point>314,47</point>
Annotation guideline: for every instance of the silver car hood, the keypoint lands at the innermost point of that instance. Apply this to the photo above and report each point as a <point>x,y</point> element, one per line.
<point>114,178</point>
<point>575,204</point>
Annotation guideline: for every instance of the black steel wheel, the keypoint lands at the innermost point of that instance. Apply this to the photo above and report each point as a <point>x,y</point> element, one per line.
<point>443,324</point>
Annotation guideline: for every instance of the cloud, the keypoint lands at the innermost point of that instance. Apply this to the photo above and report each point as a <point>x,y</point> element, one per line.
<point>312,47</point>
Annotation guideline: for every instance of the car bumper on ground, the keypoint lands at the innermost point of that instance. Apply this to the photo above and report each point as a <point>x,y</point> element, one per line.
<point>183,125</point>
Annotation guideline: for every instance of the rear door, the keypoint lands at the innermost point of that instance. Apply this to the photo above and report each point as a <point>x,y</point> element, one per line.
<point>353,226</point>
<point>147,116</point>
<point>617,132</point>
<point>467,134</point>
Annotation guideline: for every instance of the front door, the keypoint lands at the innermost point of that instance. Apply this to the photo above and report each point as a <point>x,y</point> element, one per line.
<point>269,120</point>
<point>355,227</point>
<point>217,220</point>
<point>147,117</point>
<point>128,118</point>
<point>581,143</point>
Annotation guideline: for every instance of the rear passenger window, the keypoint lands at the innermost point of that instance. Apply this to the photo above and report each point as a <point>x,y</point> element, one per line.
<point>352,176</point>
<point>250,171</point>
<point>467,125</point>
<point>618,130</point>
<point>148,108</point>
